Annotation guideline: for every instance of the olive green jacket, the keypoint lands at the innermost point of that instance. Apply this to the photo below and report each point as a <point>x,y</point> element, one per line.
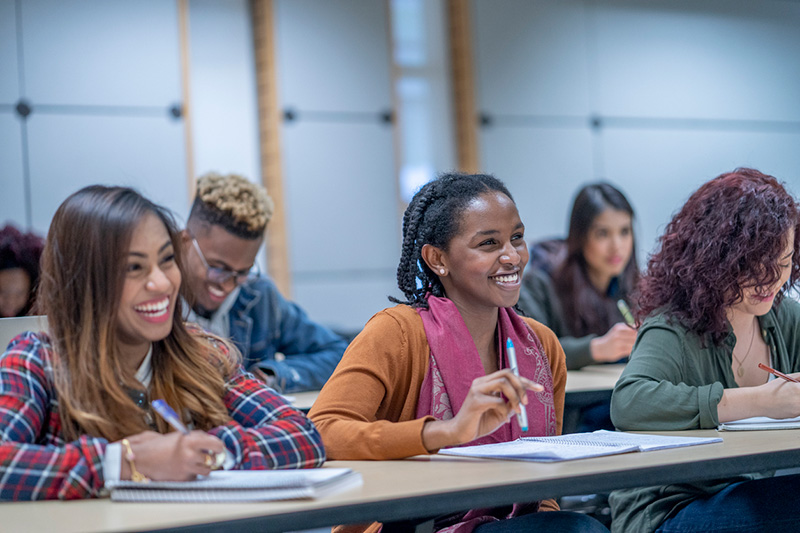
<point>674,381</point>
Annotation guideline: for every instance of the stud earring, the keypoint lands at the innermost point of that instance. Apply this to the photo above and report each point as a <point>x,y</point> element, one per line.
<point>441,271</point>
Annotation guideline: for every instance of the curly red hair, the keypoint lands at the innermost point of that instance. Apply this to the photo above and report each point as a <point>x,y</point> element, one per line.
<point>729,236</point>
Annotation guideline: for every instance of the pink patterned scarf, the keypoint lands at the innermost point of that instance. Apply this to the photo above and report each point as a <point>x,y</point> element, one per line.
<point>455,363</point>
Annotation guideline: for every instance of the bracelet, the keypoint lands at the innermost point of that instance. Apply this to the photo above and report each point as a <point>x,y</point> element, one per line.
<point>136,476</point>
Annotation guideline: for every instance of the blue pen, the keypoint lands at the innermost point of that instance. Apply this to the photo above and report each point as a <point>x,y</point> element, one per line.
<point>522,417</point>
<point>168,413</point>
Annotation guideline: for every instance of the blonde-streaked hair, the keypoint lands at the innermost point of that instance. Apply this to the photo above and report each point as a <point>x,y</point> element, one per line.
<point>240,206</point>
<point>83,273</point>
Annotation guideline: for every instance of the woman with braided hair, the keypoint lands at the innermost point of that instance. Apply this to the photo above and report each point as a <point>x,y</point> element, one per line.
<point>432,372</point>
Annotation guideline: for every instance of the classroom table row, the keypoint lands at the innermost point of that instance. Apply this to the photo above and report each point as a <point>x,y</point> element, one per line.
<point>588,385</point>
<point>423,487</point>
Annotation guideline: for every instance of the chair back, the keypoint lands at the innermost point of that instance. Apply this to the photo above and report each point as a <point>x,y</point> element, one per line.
<point>11,327</point>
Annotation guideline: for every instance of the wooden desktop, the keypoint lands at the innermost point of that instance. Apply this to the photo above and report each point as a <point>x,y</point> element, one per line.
<point>425,486</point>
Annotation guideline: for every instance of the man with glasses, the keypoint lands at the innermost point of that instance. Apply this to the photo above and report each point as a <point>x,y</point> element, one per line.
<point>279,343</point>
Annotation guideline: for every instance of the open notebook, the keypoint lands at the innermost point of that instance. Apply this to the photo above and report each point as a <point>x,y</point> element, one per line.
<point>576,446</point>
<point>240,486</point>
<point>760,423</point>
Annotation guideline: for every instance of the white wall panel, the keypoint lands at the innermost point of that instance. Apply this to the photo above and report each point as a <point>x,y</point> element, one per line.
<point>660,169</point>
<point>686,90</point>
<point>542,169</point>
<point>224,105</point>
<point>9,79</point>
<point>12,189</point>
<point>346,304</point>
<point>338,159</point>
<point>341,197</point>
<point>333,55</point>
<point>720,59</point>
<point>98,52</point>
<point>70,152</point>
<point>531,57</point>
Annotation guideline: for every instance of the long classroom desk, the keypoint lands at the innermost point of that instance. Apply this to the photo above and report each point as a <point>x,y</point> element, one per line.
<point>422,487</point>
<point>587,385</point>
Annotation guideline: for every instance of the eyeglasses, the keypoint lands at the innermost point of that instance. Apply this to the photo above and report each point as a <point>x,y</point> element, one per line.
<point>219,275</point>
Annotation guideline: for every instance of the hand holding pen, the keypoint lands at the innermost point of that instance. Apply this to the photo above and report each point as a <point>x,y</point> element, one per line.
<point>626,313</point>
<point>175,456</point>
<point>618,341</point>
<point>212,460</point>
<point>777,398</point>
<point>490,403</point>
<point>774,372</point>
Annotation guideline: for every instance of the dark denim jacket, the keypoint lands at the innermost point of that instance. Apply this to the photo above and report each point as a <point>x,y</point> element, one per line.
<point>263,323</point>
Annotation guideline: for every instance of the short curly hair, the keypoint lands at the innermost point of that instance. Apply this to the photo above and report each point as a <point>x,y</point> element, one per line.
<point>233,202</point>
<point>21,250</point>
<point>729,236</point>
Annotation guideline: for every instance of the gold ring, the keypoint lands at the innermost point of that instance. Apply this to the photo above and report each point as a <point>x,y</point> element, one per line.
<point>219,461</point>
<point>209,461</point>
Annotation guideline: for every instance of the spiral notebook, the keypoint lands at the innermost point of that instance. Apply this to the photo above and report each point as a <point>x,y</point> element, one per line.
<point>759,423</point>
<point>240,486</point>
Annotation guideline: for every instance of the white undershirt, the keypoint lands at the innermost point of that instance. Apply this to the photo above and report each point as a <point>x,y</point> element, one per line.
<point>218,323</point>
<point>112,460</point>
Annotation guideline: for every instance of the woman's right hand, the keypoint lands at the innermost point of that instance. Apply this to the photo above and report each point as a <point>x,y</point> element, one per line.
<point>615,344</point>
<point>490,402</point>
<point>781,398</point>
<point>171,457</point>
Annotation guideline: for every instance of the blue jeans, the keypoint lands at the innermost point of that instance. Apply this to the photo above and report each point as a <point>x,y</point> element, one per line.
<point>769,504</point>
<point>546,521</point>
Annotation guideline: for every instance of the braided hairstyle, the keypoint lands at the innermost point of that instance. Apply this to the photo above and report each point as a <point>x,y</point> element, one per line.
<point>434,217</point>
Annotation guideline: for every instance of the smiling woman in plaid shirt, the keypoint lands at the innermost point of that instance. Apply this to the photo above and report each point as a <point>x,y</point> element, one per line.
<point>74,403</point>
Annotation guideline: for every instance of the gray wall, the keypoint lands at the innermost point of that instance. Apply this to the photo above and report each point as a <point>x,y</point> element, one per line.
<point>338,159</point>
<point>100,90</point>
<point>101,78</point>
<point>656,96</point>
<point>679,92</point>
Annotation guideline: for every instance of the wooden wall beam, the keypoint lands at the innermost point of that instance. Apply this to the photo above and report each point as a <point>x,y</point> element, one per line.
<point>186,95</point>
<point>269,127</point>
<point>463,82</point>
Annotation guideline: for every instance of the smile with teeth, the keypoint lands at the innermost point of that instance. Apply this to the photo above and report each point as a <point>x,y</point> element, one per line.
<point>215,292</point>
<point>153,309</point>
<point>507,278</point>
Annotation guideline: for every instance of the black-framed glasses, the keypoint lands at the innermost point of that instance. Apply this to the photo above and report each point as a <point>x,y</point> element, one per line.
<point>219,275</point>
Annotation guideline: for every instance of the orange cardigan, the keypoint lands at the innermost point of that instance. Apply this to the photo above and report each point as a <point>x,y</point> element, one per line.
<point>367,409</point>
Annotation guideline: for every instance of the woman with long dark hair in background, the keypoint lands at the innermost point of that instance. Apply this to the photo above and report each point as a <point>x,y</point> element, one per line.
<point>573,286</point>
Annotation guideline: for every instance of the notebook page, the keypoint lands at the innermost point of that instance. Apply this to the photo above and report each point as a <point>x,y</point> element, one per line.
<point>244,479</point>
<point>576,446</point>
<point>757,423</point>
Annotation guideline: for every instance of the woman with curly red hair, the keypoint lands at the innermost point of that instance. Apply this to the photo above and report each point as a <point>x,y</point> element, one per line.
<point>712,308</point>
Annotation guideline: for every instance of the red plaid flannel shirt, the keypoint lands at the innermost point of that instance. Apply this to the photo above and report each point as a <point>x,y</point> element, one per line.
<point>37,464</point>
